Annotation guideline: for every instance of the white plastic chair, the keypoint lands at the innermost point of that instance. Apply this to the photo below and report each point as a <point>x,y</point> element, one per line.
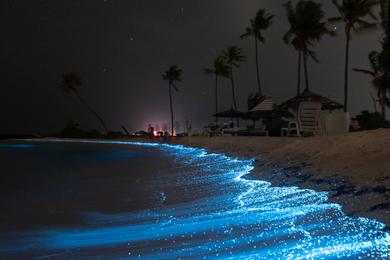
<point>307,121</point>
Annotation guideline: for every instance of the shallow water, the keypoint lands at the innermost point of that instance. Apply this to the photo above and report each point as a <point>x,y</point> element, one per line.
<point>129,200</point>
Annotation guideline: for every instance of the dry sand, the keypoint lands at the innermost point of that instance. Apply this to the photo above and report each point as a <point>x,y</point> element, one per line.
<point>354,168</point>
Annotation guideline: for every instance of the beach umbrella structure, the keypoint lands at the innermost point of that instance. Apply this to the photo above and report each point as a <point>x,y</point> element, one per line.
<point>231,113</point>
<point>266,114</point>
<point>307,95</point>
<point>264,104</point>
<point>265,109</point>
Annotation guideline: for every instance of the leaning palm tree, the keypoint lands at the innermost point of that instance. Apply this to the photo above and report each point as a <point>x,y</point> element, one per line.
<point>262,22</point>
<point>306,28</point>
<point>71,82</point>
<point>233,56</point>
<point>172,75</point>
<point>380,80</point>
<point>219,69</point>
<point>352,13</point>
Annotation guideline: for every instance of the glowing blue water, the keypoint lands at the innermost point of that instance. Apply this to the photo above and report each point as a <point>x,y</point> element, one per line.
<point>239,218</point>
<point>13,146</point>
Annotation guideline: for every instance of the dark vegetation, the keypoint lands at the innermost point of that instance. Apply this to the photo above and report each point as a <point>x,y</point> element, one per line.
<point>370,121</point>
<point>307,26</point>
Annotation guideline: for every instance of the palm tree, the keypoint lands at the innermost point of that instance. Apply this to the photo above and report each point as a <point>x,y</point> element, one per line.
<point>306,27</point>
<point>385,12</point>
<point>171,75</point>
<point>233,56</point>
<point>380,80</point>
<point>352,13</point>
<point>71,82</point>
<point>384,56</point>
<point>262,22</point>
<point>220,69</point>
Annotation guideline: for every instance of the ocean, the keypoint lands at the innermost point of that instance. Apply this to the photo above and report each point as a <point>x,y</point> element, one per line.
<point>103,199</point>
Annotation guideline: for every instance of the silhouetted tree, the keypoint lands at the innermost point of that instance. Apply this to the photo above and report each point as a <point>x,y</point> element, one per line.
<point>172,75</point>
<point>380,80</point>
<point>71,82</point>
<point>260,23</point>
<point>219,69</point>
<point>306,27</point>
<point>352,13</point>
<point>233,56</point>
<point>380,62</point>
<point>385,12</point>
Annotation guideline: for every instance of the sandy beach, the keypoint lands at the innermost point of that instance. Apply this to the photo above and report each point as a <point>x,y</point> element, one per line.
<point>353,168</point>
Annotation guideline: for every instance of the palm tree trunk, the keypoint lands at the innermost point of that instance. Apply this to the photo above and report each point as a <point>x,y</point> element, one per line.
<point>233,91</point>
<point>299,73</point>
<point>384,110</point>
<point>81,99</point>
<point>388,21</point>
<point>305,69</point>
<point>383,105</point>
<point>171,106</point>
<point>216,97</point>
<point>348,35</point>
<point>257,66</point>
<point>374,102</point>
<point>233,88</point>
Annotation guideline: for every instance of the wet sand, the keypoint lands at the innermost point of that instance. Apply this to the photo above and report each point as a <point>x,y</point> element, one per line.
<point>354,168</point>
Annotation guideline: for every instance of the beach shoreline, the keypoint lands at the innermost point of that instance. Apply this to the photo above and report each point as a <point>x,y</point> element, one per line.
<point>353,168</point>
<point>114,193</point>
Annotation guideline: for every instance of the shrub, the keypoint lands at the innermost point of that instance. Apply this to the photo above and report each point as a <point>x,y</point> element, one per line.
<point>72,130</point>
<point>370,121</point>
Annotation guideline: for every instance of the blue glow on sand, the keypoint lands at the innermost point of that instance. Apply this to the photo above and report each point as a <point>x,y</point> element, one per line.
<point>15,146</point>
<point>241,219</point>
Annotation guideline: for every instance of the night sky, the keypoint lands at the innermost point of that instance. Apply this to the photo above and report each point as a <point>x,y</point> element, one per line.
<point>121,48</point>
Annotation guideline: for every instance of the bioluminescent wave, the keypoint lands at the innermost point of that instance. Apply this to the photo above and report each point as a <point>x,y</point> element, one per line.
<point>229,217</point>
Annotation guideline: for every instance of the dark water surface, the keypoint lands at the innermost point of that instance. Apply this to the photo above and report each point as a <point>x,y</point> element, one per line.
<point>130,200</point>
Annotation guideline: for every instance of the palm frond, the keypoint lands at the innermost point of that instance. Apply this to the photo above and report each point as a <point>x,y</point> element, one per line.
<point>248,32</point>
<point>262,21</point>
<point>368,72</point>
<point>173,74</point>
<point>208,71</point>
<point>362,25</point>
<point>287,37</point>
<point>312,55</point>
<point>71,82</point>
<point>335,19</point>
<point>307,24</point>
<point>352,13</point>
<point>233,55</point>
<point>338,6</point>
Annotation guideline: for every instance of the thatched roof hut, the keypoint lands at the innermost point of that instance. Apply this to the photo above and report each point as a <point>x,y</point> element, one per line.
<point>307,95</point>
